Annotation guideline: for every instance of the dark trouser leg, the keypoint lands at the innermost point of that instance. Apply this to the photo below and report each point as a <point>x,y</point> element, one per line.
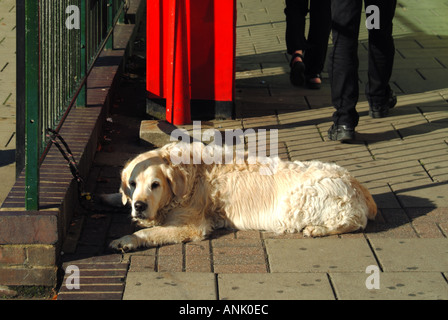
<point>295,11</point>
<point>343,62</point>
<point>320,27</point>
<point>381,53</point>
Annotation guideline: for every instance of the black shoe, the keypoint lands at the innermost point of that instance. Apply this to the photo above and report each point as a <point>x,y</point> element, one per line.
<point>341,133</point>
<point>381,111</point>
<point>297,75</point>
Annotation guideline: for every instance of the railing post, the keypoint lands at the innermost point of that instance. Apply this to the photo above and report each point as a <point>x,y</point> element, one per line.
<point>110,21</point>
<point>82,97</point>
<point>122,15</point>
<point>32,130</point>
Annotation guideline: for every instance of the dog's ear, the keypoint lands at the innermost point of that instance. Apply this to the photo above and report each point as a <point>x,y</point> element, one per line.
<point>124,188</point>
<point>124,197</point>
<point>176,179</point>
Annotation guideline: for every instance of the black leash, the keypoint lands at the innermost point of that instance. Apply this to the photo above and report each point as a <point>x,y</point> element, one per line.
<point>86,199</point>
<point>67,154</point>
<point>73,165</point>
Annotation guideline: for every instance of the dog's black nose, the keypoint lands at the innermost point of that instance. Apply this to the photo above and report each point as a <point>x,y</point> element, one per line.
<point>140,206</point>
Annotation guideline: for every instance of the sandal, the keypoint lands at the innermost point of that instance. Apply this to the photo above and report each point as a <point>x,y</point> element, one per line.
<point>313,85</point>
<point>297,76</point>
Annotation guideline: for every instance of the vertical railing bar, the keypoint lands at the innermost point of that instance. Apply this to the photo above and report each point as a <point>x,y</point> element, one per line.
<point>64,73</point>
<point>77,54</point>
<point>71,44</point>
<point>82,97</point>
<point>54,71</point>
<point>42,98</point>
<point>46,67</point>
<point>94,28</point>
<point>66,64</point>
<point>42,72</point>
<point>53,52</point>
<point>32,104</point>
<point>51,70</point>
<point>42,63</point>
<point>89,30</point>
<point>99,21</point>
<point>110,19</point>
<point>45,63</point>
<point>58,63</point>
<point>121,18</point>
<point>69,49</point>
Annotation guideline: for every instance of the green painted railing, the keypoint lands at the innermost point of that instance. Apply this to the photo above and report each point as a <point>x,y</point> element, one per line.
<point>61,41</point>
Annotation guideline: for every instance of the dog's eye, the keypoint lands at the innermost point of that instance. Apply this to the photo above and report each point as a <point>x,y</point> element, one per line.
<point>155,185</point>
<point>133,184</point>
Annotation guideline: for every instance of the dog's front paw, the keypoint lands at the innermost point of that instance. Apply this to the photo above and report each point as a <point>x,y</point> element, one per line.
<point>315,231</point>
<point>126,243</point>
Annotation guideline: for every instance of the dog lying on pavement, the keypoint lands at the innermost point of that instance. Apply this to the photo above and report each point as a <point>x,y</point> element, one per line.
<point>180,201</point>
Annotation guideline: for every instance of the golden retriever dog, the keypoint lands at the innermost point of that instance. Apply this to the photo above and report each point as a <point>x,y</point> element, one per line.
<point>181,201</point>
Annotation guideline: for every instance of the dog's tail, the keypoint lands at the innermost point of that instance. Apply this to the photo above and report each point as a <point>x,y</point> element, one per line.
<point>371,205</point>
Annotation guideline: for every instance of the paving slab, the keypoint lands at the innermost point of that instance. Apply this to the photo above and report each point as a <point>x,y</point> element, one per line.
<point>392,286</point>
<point>412,254</point>
<point>275,286</point>
<point>319,255</point>
<point>170,286</point>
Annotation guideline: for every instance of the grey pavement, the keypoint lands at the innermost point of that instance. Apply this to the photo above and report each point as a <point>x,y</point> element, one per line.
<point>402,159</point>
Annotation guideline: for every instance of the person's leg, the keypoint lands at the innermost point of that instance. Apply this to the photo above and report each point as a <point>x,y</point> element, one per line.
<point>296,11</point>
<point>343,62</point>
<point>317,42</point>
<point>381,59</point>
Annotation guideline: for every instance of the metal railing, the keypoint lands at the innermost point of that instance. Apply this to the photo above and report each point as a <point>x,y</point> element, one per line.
<point>61,40</point>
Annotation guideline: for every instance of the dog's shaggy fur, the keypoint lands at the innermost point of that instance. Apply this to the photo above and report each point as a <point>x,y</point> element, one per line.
<point>186,202</point>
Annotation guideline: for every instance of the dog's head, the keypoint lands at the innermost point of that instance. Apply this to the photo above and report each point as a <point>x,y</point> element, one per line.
<point>150,182</point>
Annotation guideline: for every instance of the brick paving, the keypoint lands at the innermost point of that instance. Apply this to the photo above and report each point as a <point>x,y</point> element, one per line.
<point>402,159</point>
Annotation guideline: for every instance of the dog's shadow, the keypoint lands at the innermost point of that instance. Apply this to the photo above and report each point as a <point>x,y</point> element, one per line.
<point>391,216</point>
